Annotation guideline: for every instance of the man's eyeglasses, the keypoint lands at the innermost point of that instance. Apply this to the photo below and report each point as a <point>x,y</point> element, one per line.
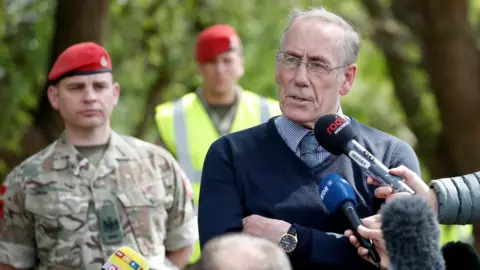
<point>291,61</point>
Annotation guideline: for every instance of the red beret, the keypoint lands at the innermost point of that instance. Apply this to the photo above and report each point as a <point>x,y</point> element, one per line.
<point>215,40</point>
<point>80,59</point>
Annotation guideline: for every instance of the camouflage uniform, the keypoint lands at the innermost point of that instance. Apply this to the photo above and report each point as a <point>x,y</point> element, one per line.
<point>62,210</point>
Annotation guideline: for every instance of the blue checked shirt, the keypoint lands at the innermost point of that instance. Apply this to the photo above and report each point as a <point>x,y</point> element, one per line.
<point>292,133</point>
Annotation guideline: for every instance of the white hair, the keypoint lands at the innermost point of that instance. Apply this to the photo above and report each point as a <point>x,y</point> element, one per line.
<point>351,42</point>
<point>242,251</point>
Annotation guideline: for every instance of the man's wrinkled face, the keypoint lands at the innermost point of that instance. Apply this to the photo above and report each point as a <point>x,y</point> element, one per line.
<point>308,91</point>
<point>85,101</point>
<point>222,73</point>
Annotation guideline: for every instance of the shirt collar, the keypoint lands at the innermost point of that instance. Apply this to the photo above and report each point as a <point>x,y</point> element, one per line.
<point>290,131</point>
<point>293,133</point>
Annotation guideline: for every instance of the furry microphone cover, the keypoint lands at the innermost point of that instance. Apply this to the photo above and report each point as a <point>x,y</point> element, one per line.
<point>412,234</point>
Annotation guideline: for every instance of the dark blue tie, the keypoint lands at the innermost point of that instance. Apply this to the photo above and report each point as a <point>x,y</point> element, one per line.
<point>308,150</point>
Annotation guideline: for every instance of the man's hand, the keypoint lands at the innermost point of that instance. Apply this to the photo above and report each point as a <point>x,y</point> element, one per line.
<point>271,229</point>
<point>412,180</point>
<point>371,230</point>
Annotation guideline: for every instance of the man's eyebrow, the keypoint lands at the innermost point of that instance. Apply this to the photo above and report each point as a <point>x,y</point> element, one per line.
<point>292,53</point>
<point>318,58</point>
<point>75,84</point>
<point>100,82</point>
<point>310,57</point>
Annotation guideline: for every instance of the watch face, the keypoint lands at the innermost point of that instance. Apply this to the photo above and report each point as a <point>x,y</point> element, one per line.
<point>288,243</point>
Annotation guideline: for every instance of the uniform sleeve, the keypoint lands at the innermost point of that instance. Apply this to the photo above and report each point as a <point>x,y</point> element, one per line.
<point>182,229</point>
<point>17,235</point>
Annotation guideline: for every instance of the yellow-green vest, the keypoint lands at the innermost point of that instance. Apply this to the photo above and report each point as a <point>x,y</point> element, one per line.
<point>449,233</point>
<point>187,131</point>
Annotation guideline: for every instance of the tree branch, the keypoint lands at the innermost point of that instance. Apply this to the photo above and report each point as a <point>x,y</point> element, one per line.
<point>164,73</point>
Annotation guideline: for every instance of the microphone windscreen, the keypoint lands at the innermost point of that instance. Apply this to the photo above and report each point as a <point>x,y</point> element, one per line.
<point>333,132</point>
<point>412,234</point>
<point>125,258</point>
<point>334,191</point>
<point>458,255</point>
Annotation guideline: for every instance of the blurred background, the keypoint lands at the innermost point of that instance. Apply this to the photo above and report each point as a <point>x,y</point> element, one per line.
<point>418,75</point>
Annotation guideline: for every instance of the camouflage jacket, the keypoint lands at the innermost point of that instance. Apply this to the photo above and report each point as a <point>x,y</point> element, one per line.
<point>61,212</point>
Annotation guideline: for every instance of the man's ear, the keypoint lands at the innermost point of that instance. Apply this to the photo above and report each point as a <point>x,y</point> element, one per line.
<point>52,93</point>
<point>277,74</point>
<point>242,62</point>
<point>116,92</point>
<point>350,74</point>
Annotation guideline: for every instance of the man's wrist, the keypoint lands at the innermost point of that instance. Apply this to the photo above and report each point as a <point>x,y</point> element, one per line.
<point>289,241</point>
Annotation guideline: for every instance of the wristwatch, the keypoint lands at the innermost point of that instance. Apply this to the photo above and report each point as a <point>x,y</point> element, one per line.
<point>289,241</point>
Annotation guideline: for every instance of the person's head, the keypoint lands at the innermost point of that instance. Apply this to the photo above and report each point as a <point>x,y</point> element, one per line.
<point>239,251</point>
<point>219,58</point>
<point>82,87</point>
<point>315,64</point>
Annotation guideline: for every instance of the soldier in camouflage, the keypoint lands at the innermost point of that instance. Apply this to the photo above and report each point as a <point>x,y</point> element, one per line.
<point>74,203</point>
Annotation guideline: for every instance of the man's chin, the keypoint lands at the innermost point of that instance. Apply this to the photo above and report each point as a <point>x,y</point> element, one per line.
<point>222,88</point>
<point>298,116</point>
<point>90,124</point>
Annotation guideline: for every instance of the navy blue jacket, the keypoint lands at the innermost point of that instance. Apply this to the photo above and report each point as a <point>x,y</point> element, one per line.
<point>255,172</point>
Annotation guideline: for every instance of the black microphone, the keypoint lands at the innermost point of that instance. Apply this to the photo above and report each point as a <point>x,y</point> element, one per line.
<point>335,134</point>
<point>335,193</point>
<point>412,234</point>
<point>458,255</point>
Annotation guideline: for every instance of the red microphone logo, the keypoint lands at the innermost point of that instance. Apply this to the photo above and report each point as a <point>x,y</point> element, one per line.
<point>337,125</point>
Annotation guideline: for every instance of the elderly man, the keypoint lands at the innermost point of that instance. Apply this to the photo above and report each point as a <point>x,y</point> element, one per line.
<point>263,181</point>
<point>71,205</point>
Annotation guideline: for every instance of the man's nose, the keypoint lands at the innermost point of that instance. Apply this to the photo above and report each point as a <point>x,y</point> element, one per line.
<point>301,75</point>
<point>220,67</point>
<point>90,95</point>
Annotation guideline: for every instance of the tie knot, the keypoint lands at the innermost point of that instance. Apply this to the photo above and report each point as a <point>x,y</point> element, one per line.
<point>308,144</point>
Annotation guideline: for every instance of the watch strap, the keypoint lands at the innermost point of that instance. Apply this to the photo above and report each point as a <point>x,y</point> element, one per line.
<point>292,230</point>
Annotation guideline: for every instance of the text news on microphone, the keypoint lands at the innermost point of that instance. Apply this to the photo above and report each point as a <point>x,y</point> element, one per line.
<point>456,199</point>
<point>256,179</point>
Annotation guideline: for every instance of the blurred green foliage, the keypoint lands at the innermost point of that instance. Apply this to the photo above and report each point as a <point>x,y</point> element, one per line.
<point>152,41</point>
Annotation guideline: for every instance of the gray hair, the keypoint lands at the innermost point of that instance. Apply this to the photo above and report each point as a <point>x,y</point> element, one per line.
<point>351,42</point>
<point>235,251</point>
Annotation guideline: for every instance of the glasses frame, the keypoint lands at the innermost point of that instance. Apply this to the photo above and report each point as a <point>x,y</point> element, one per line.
<point>314,66</point>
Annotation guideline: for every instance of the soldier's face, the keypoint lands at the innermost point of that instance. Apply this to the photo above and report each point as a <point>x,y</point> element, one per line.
<point>85,101</point>
<point>222,74</point>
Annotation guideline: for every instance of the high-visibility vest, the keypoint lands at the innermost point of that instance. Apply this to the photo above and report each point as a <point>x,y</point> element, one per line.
<point>450,233</point>
<point>188,132</point>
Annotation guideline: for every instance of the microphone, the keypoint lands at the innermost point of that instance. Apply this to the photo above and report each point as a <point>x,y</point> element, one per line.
<point>412,234</point>
<point>125,258</point>
<point>336,192</point>
<point>458,255</point>
<point>335,134</point>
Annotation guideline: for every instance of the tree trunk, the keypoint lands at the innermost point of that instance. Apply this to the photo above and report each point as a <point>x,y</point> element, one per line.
<point>75,21</point>
<point>451,60</point>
